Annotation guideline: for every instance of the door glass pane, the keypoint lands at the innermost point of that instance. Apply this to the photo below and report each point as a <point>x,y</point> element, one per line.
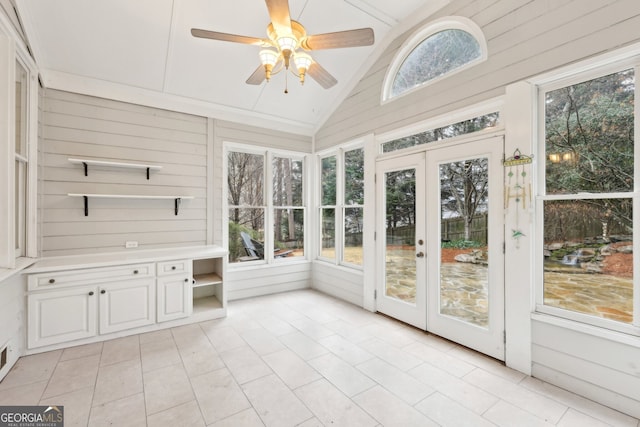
<point>588,249</point>
<point>400,250</point>
<point>464,209</point>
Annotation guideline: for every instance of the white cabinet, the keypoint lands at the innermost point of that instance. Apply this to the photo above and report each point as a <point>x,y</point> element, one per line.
<point>174,290</point>
<point>127,305</point>
<point>83,299</point>
<point>63,315</point>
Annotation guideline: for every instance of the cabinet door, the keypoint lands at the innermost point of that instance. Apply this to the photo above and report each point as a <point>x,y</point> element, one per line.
<point>126,305</point>
<point>174,297</point>
<point>59,316</point>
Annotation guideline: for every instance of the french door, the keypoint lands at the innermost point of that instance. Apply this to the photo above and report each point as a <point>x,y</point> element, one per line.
<point>440,240</point>
<point>400,233</point>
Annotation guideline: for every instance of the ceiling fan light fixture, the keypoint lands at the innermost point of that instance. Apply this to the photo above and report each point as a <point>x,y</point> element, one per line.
<point>287,45</point>
<point>303,62</point>
<point>268,58</point>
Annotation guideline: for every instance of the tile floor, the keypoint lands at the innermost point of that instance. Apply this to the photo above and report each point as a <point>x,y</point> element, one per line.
<point>292,359</point>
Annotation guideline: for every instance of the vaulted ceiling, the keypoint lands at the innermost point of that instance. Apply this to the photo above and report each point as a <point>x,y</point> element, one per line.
<point>142,51</point>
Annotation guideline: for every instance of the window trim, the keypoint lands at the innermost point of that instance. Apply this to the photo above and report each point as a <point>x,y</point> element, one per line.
<point>269,207</point>
<point>582,73</point>
<point>340,205</point>
<point>12,50</point>
<point>431,28</point>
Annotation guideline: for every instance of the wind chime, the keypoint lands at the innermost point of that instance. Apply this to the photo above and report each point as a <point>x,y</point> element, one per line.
<point>517,188</point>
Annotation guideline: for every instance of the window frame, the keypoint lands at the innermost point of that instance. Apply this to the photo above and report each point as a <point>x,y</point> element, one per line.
<point>12,52</point>
<point>566,78</point>
<point>431,28</point>
<point>269,206</point>
<point>340,206</point>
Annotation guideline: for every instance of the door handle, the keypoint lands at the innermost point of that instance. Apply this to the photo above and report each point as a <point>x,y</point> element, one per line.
<point>420,255</point>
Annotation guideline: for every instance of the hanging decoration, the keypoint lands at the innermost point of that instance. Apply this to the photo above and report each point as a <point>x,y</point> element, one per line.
<point>517,188</point>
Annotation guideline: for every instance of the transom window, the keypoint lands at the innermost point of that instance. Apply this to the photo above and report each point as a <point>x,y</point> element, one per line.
<point>440,49</point>
<point>587,199</point>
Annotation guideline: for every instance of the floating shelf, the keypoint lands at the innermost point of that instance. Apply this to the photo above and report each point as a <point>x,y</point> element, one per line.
<point>87,162</point>
<point>177,199</point>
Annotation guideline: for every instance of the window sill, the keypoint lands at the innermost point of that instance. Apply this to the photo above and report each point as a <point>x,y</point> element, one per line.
<point>596,331</point>
<point>21,264</point>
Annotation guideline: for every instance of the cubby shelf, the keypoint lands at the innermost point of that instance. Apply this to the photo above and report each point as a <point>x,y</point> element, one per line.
<point>206,279</point>
<point>95,162</point>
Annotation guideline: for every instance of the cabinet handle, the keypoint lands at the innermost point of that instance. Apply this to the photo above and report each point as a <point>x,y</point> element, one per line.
<point>103,291</point>
<point>52,281</point>
<point>173,267</point>
<point>90,293</point>
<point>135,271</point>
<point>186,280</point>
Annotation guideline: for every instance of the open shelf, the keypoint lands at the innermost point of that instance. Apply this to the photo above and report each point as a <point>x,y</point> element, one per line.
<point>205,304</point>
<point>177,199</point>
<point>206,279</point>
<point>94,162</point>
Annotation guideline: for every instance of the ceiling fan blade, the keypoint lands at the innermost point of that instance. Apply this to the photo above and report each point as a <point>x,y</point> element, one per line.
<point>280,16</point>
<point>349,38</point>
<point>321,75</point>
<point>214,35</point>
<point>257,77</point>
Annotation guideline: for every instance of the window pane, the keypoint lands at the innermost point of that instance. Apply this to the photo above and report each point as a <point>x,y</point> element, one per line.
<point>589,136</point>
<point>289,233</point>
<point>354,177</point>
<point>437,55</point>
<point>328,181</point>
<point>246,234</point>
<point>21,110</point>
<point>588,248</point>
<point>20,207</point>
<point>460,128</point>
<point>328,249</point>
<point>353,235</point>
<point>287,182</point>
<point>245,179</point>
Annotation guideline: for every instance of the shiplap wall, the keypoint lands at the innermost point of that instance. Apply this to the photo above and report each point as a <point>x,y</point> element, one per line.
<point>343,283</point>
<point>80,126</point>
<point>267,279</point>
<point>604,370</point>
<point>530,37</point>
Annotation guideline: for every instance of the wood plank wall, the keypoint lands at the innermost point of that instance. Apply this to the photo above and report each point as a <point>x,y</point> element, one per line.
<point>528,38</point>
<point>74,125</point>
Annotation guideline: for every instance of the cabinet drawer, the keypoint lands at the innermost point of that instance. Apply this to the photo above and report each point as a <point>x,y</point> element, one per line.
<point>173,267</point>
<point>86,276</point>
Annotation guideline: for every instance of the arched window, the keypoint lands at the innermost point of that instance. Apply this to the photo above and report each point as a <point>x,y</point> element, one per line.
<point>440,49</point>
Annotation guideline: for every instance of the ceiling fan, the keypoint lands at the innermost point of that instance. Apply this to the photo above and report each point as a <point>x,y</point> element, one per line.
<point>287,41</point>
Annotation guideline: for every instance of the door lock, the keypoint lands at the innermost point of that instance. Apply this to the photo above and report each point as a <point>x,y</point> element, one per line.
<point>420,255</point>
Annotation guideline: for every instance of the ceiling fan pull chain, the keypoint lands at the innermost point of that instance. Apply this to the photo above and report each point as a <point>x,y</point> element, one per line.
<point>286,83</point>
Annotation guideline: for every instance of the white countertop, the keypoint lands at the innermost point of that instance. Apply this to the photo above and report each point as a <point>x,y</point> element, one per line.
<point>72,262</point>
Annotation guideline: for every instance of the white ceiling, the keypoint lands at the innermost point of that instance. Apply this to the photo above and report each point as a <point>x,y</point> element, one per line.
<point>142,51</point>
